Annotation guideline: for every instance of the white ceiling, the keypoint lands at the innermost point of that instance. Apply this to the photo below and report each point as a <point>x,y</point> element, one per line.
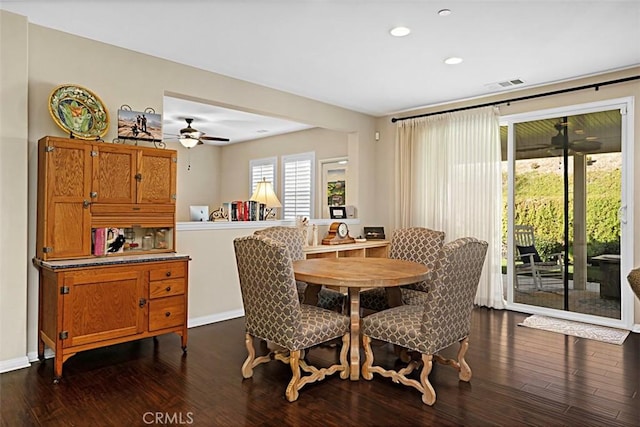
<point>237,126</point>
<point>340,51</point>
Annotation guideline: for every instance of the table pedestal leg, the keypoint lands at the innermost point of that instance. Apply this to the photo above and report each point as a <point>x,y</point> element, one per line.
<point>354,313</point>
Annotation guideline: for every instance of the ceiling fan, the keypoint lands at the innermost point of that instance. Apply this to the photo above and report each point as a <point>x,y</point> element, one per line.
<point>190,137</point>
<point>584,145</point>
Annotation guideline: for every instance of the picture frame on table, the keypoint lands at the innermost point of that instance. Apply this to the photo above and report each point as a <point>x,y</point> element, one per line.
<point>337,212</point>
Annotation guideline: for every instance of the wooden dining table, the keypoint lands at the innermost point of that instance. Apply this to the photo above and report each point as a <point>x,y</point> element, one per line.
<point>356,274</point>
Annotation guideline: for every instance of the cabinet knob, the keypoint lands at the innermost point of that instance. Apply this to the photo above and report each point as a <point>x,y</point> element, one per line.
<point>167,314</point>
<point>142,302</point>
<point>168,274</point>
<point>168,289</point>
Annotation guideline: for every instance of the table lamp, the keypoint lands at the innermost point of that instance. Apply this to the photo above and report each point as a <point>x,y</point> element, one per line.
<point>264,194</point>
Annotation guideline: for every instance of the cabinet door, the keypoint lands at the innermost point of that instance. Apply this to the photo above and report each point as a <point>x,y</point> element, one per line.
<point>64,228</point>
<point>102,304</point>
<point>157,176</point>
<point>114,169</point>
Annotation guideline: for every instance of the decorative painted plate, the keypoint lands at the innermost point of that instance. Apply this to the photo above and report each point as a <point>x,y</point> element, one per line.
<point>78,111</point>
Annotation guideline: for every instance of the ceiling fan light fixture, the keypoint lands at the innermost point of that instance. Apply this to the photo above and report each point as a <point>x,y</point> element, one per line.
<point>188,142</point>
<point>190,132</point>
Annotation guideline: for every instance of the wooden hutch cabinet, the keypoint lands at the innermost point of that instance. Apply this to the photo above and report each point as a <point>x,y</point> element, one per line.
<point>90,298</point>
<point>85,185</point>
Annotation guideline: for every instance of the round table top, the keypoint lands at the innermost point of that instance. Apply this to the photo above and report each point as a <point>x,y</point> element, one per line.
<point>359,272</point>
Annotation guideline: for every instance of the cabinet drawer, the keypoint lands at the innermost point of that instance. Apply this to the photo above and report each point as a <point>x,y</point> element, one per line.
<point>166,288</point>
<point>166,312</point>
<point>171,270</point>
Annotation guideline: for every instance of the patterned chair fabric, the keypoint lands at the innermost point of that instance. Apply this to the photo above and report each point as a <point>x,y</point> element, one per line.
<point>444,320</point>
<point>273,312</point>
<point>292,237</point>
<point>417,244</point>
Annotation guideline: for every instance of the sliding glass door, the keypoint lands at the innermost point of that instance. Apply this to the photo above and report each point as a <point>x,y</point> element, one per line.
<point>563,235</point>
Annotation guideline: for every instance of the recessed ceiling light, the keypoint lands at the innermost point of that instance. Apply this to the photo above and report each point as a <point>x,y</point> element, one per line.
<point>444,12</point>
<point>453,60</point>
<point>399,31</point>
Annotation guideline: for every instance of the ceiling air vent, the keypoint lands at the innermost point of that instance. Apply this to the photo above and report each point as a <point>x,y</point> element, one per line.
<point>505,84</point>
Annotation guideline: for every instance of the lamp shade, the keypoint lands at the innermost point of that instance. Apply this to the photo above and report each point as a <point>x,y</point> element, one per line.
<point>188,141</point>
<point>264,194</point>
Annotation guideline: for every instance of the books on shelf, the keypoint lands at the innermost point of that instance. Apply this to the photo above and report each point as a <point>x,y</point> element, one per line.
<point>108,240</point>
<point>245,210</point>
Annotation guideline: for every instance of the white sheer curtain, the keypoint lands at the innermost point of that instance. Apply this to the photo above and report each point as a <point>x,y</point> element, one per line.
<point>448,178</point>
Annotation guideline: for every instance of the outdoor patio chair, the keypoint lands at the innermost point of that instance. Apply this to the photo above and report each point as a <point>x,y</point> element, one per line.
<point>528,261</point>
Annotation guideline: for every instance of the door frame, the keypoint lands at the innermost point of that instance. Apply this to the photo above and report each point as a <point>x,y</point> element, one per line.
<point>626,213</point>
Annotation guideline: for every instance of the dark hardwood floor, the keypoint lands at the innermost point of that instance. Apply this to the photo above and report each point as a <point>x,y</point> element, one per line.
<point>521,376</point>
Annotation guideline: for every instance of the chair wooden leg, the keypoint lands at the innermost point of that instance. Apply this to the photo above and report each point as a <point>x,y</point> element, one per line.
<point>292,389</point>
<point>465,370</point>
<point>428,393</point>
<point>368,361</point>
<point>247,366</point>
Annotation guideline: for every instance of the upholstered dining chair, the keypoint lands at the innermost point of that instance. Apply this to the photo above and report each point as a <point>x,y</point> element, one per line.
<point>416,244</point>
<point>274,314</point>
<point>292,237</point>
<point>426,329</point>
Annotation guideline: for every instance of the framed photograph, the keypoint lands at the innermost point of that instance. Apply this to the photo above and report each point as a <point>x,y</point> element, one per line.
<point>139,125</point>
<point>338,212</point>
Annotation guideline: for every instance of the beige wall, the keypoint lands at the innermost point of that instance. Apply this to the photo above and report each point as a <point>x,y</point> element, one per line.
<point>198,184</point>
<point>44,59</point>
<point>235,158</point>
<point>13,191</point>
<point>385,147</point>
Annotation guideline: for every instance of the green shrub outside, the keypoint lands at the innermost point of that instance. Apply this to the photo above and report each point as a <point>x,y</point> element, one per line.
<point>539,203</point>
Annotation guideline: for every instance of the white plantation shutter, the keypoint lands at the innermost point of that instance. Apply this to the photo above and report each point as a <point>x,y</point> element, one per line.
<point>298,185</point>
<point>262,168</point>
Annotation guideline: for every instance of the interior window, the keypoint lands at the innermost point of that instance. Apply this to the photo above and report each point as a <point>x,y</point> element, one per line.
<point>260,169</point>
<point>298,185</point>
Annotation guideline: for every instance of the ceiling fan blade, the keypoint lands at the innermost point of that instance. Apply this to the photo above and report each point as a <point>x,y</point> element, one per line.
<point>214,138</point>
<point>585,146</point>
<point>534,147</point>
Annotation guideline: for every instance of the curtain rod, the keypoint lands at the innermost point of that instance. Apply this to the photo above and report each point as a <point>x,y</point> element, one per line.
<point>522,98</point>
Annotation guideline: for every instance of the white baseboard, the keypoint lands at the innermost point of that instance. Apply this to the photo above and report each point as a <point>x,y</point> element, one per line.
<point>636,328</point>
<point>33,355</point>
<point>13,364</point>
<point>214,318</point>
